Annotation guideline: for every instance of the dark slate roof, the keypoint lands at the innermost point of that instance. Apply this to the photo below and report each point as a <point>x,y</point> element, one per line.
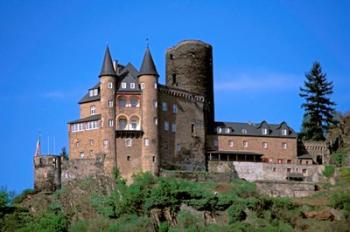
<point>88,98</point>
<point>128,75</point>
<point>148,67</point>
<point>253,129</point>
<point>305,156</point>
<point>107,65</point>
<point>87,119</point>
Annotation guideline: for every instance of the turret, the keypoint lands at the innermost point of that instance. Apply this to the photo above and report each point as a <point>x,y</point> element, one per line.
<point>148,78</point>
<point>189,66</point>
<point>108,87</point>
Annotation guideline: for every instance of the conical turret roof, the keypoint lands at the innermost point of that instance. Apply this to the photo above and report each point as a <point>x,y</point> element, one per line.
<point>148,67</point>
<point>107,65</point>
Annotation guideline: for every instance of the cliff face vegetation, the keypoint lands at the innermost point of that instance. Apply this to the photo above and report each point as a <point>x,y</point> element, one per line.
<point>168,204</point>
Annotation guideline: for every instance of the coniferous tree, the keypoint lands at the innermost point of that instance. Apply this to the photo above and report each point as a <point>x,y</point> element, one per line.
<point>319,109</point>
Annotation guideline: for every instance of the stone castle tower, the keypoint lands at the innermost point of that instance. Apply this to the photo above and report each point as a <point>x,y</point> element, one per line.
<point>148,76</point>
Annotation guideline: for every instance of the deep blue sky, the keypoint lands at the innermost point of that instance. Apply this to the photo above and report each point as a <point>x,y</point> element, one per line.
<point>51,52</point>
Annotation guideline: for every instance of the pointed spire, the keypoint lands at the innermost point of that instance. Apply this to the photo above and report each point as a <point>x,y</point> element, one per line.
<point>148,67</point>
<point>107,66</point>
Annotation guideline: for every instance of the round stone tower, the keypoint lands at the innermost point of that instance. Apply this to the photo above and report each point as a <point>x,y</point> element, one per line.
<point>189,66</point>
<point>107,88</point>
<point>148,78</point>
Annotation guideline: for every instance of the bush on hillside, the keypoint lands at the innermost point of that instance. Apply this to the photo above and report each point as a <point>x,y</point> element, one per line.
<point>328,171</point>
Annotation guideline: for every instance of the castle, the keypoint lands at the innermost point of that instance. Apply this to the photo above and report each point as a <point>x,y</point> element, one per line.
<point>130,121</point>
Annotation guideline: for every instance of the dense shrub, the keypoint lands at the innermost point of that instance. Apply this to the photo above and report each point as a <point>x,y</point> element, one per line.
<point>340,200</point>
<point>132,222</point>
<point>329,170</point>
<point>338,158</point>
<point>18,199</point>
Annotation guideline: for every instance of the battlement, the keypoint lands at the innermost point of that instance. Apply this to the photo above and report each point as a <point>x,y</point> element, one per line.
<point>181,93</point>
<point>47,173</point>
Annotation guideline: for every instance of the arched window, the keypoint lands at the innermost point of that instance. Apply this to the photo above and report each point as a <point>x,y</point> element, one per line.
<point>122,123</point>
<point>92,110</point>
<point>134,102</point>
<point>121,102</point>
<point>134,123</point>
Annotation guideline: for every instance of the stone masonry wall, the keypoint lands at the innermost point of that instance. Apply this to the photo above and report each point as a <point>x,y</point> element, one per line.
<point>285,188</point>
<point>252,171</point>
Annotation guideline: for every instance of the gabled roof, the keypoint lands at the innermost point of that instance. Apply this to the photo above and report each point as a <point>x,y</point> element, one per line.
<point>87,98</point>
<point>128,79</point>
<point>107,65</point>
<point>148,67</point>
<point>87,119</point>
<point>253,129</point>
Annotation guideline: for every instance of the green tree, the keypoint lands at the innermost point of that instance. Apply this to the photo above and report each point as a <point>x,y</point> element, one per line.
<point>319,109</point>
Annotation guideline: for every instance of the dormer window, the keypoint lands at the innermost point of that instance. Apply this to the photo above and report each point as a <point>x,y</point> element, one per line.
<point>284,132</point>
<point>132,85</point>
<point>227,130</point>
<point>264,131</point>
<point>219,129</point>
<point>91,92</point>
<point>244,131</point>
<point>123,85</point>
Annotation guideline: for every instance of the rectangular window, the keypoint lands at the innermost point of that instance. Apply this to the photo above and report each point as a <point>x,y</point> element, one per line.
<point>142,85</point>
<point>110,103</point>
<point>280,161</point>
<point>174,108</point>
<point>110,85</point>
<point>92,125</point>
<point>105,143</point>
<point>284,146</point>
<point>288,170</point>
<point>265,145</point>
<point>164,106</point>
<point>95,92</point>
<point>166,126</point>
<point>178,147</point>
<point>146,141</point>
<point>304,171</point>
<point>155,103</point>
<point>110,122</point>
<point>289,161</point>
<point>155,85</point>
<point>227,130</point>
<point>91,142</point>
<point>91,153</point>
<point>155,121</point>
<point>230,143</point>
<point>128,158</point>
<point>284,132</point>
<point>78,127</point>
<point>216,143</point>
<point>173,127</point>
<point>128,142</point>
<point>132,85</point>
<point>193,129</point>
<point>82,155</point>
<point>245,144</point>
<point>123,85</point>
<point>91,92</point>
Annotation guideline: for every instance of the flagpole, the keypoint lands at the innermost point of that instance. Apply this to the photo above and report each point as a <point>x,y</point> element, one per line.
<point>48,145</point>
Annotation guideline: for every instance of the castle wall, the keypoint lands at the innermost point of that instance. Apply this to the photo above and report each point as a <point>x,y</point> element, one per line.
<point>129,160</point>
<point>85,108</point>
<point>319,151</point>
<point>253,171</point>
<point>273,153</point>
<point>185,148</point>
<point>88,142</point>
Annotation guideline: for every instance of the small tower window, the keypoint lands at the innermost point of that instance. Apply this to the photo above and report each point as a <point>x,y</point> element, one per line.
<point>166,125</point>
<point>110,85</point>
<point>174,108</point>
<point>171,56</point>
<point>193,129</point>
<point>155,121</point>
<point>110,122</point>
<point>128,142</point>
<point>146,142</point>
<point>110,103</point>
<point>128,158</point>
<point>164,106</point>
<point>155,103</point>
<point>173,127</point>
<point>155,85</point>
<point>132,85</point>
<point>92,110</point>
<point>82,155</point>
<point>174,78</point>
<point>153,159</point>
<point>142,85</point>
